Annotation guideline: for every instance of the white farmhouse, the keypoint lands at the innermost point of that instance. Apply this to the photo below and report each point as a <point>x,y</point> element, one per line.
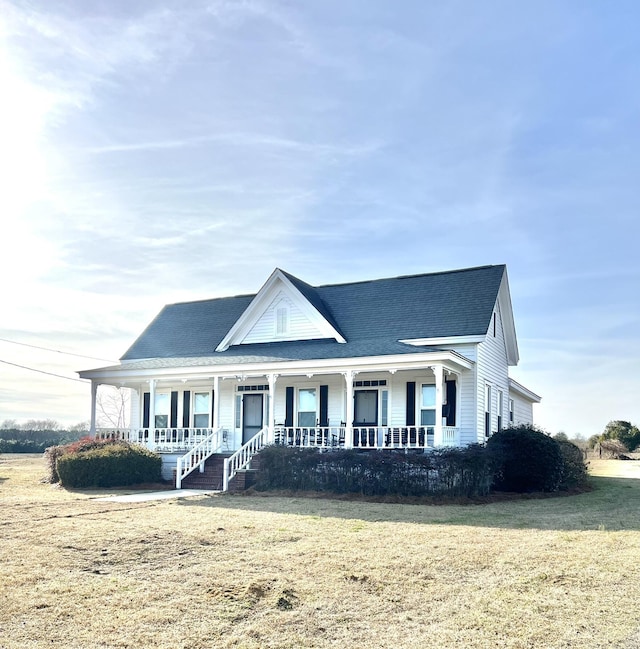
<point>413,362</point>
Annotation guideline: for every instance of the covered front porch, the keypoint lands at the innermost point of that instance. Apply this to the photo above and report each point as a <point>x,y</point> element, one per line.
<point>392,403</point>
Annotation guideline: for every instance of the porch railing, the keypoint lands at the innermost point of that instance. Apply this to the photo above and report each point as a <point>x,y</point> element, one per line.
<point>159,439</point>
<point>370,437</point>
<point>241,458</point>
<point>198,455</point>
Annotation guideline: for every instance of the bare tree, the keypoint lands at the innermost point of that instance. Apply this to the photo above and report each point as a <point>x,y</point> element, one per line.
<point>81,427</point>
<point>40,424</point>
<point>112,406</point>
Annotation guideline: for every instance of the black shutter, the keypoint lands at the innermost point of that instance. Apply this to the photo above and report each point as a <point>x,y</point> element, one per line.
<point>288,417</point>
<point>173,421</point>
<point>411,403</point>
<point>213,398</point>
<point>186,408</point>
<point>451,402</point>
<point>324,405</point>
<point>146,400</point>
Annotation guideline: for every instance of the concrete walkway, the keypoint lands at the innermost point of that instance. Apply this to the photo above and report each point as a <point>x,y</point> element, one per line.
<point>156,495</point>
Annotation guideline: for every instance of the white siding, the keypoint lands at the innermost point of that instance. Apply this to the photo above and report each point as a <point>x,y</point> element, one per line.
<point>466,395</point>
<point>492,369</point>
<point>135,408</point>
<point>522,410</point>
<point>300,327</point>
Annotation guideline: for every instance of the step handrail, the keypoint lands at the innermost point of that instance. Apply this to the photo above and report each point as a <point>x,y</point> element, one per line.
<point>243,455</point>
<point>198,455</point>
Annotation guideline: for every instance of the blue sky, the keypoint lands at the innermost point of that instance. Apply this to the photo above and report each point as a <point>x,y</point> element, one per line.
<point>154,152</point>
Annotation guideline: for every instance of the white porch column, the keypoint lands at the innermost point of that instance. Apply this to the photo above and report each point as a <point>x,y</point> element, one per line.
<point>152,414</point>
<point>437,432</point>
<point>94,400</point>
<point>271,423</point>
<point>216,402</point>
<point>348,433</point>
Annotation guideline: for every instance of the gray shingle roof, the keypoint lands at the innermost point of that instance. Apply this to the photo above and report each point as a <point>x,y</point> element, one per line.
<point>372,316</point>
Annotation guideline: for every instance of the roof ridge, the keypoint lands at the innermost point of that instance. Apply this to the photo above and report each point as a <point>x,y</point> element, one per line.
<point>360,281</point>
<point>438,272</point>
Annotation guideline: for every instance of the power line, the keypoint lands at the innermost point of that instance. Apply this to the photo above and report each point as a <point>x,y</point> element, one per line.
<point>48,349</point>
<point>32,369</point>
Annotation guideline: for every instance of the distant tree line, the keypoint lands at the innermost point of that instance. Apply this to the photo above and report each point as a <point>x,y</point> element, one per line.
<point>35,435</point>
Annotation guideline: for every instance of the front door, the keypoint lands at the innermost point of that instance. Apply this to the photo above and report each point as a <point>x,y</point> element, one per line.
<point>365,411</point>
<point>251,416</point>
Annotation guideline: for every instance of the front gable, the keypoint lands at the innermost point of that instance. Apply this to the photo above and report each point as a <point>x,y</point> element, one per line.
<point>280,311</point>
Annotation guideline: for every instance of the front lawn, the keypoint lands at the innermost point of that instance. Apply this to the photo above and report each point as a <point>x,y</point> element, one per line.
<point>253,572</point>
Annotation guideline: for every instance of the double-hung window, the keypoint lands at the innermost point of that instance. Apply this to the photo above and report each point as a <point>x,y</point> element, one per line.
<point>428,406</point>
<point>307,407</point>
<point>161,410</point>
<point>201,409</point>
<point>487,410</point>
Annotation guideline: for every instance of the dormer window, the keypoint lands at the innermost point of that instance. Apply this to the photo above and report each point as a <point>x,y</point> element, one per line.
<point>282,320</point>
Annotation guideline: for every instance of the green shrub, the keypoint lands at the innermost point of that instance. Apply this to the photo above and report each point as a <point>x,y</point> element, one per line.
<point>525,459</point>
<point>52,453</point>
<point>110,465</point>
<point>574,469</point>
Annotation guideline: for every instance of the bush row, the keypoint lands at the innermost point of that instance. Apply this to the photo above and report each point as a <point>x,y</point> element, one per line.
<point>449,472</point>
<point>520,459</point>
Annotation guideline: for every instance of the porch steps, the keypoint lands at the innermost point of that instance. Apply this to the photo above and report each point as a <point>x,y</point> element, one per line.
<point>212,476</point>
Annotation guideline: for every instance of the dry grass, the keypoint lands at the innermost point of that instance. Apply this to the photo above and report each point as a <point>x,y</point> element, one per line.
<point>249,572</point>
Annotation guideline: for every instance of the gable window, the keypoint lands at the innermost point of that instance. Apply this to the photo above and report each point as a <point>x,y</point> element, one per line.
<point>307,407</point>
<point>161,409</point>
<point>282,320</point>
<point>201,409</point>
<point>428,406</point>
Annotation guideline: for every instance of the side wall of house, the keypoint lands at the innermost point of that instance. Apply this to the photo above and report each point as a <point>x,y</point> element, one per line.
<point>522,410</point>
<point>492,372</point>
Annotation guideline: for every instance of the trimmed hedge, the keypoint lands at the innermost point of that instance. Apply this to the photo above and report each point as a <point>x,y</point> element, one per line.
<point>445,472</point>
<point>111,465</point>
<point>525,460</point>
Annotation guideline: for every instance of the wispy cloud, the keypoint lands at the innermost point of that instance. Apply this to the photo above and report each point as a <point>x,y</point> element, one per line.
<point>242,140</point>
